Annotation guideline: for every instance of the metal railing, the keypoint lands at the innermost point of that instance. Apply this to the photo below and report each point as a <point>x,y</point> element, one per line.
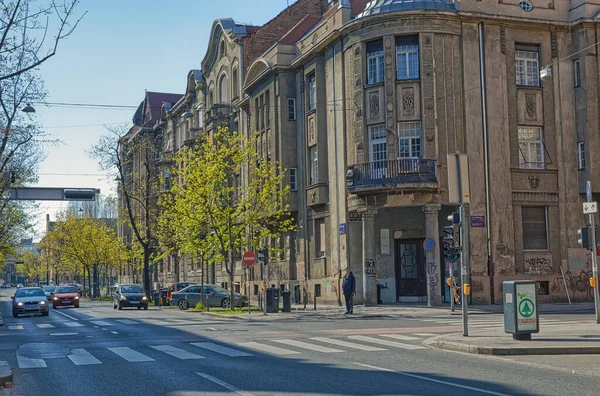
<point>403,170</point>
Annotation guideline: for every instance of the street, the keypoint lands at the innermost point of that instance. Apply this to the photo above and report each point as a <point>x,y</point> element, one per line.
<point>95,350</point>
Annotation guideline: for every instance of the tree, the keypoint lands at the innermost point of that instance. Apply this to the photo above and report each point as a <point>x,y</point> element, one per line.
<point>210,197</point>
<point>32,267</point>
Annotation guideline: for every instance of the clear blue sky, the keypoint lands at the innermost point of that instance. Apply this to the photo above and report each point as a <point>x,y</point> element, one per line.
<point>120,49</point>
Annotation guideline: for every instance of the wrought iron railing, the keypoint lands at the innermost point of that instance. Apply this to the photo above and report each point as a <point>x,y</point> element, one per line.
<point>404,170</point>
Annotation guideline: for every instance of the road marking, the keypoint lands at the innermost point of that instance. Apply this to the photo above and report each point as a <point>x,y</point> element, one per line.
<point>25,362</point>
<point>437,381</point>
<point>130,355</point>
<point>385,342</point>
<point>400,337</point>
<point>81,357</point>
<point>115,332</point>
<point>305,345</point>
<point>225,385</point>
<point>268,348</point>
<point>45,326</point>
<point>127,321</point>
<point>347,344</point>
<point>223,350</point>
<point>63,334</point>
<point>427,334</point>
<point>100,323</point>
<point>73,324</point>
<point>176,352</point>
<point>19,327</point>
<point>64,314</point>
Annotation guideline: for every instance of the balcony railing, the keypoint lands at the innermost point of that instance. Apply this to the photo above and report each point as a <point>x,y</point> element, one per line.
<point>397,171</point>
<point>218,111</point>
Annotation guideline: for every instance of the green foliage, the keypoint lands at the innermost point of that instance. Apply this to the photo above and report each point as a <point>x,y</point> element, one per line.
<point>200,307</point>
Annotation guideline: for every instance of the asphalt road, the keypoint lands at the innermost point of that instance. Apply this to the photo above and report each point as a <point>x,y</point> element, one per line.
<point>95,350</point>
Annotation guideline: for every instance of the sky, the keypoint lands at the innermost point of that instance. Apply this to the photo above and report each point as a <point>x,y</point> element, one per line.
<point>120,49</point>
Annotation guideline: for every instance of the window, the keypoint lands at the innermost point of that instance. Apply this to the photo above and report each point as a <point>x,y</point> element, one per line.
<point>291,108</point>
<point>200,118</point>
<point>527,65</point>
<point>378,150</point>
<point>262,111</point>
<point>223,91</point>
<point>320,238</point>
<point>312,92</point>
<point>526,5</point>
<point>581,155</point>
<point>531,147</point>
<point>222,49</point>
<point>293,179</point>
<point>314,166</point>
<point>407,57</point>
<point>535,229</point>
<point>235,83</point>
<point>409,140</point>
<point>375,62</point>
<point>257,114</point>
<point>577,73</point>
<point>268,108</point>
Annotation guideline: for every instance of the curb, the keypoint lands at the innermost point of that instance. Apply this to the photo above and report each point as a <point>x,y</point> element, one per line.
<point>5,373</point>
<point>510,351</point>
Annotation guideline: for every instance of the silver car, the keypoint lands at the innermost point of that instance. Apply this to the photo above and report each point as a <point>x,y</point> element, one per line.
<point>214,296</point>
<point>29,300</point>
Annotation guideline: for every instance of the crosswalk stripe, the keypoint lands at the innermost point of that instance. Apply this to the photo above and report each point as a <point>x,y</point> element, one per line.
<point>427,334</point>
<point>400,337</point>
<point>130,355</point>
<point>268,348</point>
<point>73,324</point>
<point>305,345</point>
<point>81,357</point>
<point>127,321</point>
<point>385,342</point>
<point>223,350</point>
<point>176,352</point>
<point>19,327</point>
<point>346,344</point>
<point>25,362</point>
<point>100,323</point>
<point>45,326</point>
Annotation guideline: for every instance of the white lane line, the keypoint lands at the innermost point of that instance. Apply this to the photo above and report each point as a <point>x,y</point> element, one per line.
<point>130,355</point>
<point>64,314</point>
<point>73,324</point>
<point>176,352</point>
<point>25,362</point>
<point>127,321</point>
<point>268,348</point>
<point>19,327</point>
<point>63,334</point>
<point>305,345</point>
<point>399,337</point>
<point>347,344</point>
<point>385,342</point>
<point>100,323</point>
<point>225,385</point>
<point>220,349</point>
<point>45,326</point>
<point>437,381</point>
<point>81,357</point>
<point>115,332</point>
<point>427,334</point>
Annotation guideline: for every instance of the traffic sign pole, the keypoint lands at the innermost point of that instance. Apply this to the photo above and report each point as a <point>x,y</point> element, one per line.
<point>463,268</point>
<point>594,261</point>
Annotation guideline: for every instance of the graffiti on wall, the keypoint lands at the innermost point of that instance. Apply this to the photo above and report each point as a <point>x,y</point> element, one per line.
<point>538,266</point>
<point>433,279</point>
<point>578,283</point>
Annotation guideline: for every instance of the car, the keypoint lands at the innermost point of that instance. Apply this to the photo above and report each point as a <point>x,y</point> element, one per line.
<point>29,300</point>
<point>213,296</point>
<point>65,296</point>
<point>49,290</point>
<point>19,285</point>
<point>129,295</point>
<point>175,287</point>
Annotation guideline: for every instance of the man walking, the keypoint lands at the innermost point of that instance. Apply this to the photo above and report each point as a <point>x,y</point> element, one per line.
<point>349,289</point>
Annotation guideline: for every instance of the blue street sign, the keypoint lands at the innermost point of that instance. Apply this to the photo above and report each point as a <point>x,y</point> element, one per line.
<point>429,245</point>
<point>343,229</point>
<point>588,191</point>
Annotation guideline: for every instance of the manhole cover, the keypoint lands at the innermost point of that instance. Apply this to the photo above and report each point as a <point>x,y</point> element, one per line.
<point>43,351</point>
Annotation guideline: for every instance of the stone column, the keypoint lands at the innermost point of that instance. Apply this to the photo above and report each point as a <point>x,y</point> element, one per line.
<point>369,278</point>
<point>432,259</point>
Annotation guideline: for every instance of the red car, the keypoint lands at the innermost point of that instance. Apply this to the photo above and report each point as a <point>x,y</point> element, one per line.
<point>175,287</point>
<point>65,296</point>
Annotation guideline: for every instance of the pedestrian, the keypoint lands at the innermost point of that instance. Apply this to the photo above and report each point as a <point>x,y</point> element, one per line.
<point>349,289</point>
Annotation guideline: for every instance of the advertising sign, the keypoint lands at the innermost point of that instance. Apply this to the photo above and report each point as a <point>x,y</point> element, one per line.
<point>526,307</point>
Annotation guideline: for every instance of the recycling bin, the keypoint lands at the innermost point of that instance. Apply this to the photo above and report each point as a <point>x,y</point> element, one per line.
<point>287,301</point>
<point>272,300</point>
<point>521,315</point>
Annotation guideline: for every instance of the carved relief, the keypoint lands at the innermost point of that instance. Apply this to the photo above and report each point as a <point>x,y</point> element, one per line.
<point>312,138</point>
<point>554,39</point>
<point>503,41</point>
<point>374,105</point>
<point>534,181</point>
<point>408,101</point>
<point>530,107</point>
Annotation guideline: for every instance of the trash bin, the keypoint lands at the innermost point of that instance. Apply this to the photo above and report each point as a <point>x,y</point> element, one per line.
<point>163,296</point>
<point>156,296</point>
<point>272,300</point>
<point>287,301</point>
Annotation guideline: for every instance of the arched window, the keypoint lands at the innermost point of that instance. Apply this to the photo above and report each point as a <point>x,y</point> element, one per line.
<point>234,83</point>
<point>222,49</point>
<point>223,91</point>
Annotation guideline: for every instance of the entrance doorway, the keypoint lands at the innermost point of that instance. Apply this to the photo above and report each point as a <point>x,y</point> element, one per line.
<point>410,268</point>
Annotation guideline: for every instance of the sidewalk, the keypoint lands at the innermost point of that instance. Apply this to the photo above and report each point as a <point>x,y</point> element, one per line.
<point>567,339</point>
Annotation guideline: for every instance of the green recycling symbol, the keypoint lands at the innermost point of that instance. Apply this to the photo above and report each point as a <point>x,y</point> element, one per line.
<point>526,307</point>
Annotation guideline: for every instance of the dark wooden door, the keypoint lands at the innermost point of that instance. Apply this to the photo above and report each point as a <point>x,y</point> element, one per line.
<point>410,268</point>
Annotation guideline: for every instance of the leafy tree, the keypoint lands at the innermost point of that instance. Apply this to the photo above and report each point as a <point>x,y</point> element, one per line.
<point>212,198</point>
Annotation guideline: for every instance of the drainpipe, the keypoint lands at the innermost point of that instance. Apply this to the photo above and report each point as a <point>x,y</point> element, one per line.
<point>303,202</point>
<point>486,163</point>
<point>336,179</point>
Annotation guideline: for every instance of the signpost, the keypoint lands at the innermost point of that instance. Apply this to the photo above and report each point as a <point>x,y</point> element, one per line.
<point>591,208</point>
<point>249,258</point>
<point>429,245</point>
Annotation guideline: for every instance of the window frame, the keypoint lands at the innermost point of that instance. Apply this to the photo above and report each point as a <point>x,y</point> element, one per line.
<point>580,155</point>
<point>525,161</point>
<point>292,115</point>
<point>313,159</point>
<point>520,56</point>
<point>320,238</point>
<point>547,235</point>
<point>312,91</point>
<point>411,139</point>
<point>577,73</point>
<point>378,57</point>
<point>293,179</point>
<point>407,46</point>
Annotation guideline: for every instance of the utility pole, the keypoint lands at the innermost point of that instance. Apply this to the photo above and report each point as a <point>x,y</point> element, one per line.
<point>591,208</point>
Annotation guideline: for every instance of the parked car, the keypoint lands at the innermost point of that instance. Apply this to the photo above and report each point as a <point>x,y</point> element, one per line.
<point>213,296</point>
<point>65,296</point>
<point>29,300</point>
<point>49,290</point>
<point>129,295</point>
<point>175,287</point>
<point>19,285</point>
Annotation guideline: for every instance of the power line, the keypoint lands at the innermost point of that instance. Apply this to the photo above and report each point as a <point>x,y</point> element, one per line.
<point>84,126</point>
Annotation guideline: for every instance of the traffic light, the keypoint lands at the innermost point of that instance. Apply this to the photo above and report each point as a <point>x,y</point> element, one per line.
<point>584,237</point>
<point>263,255</point>
<point>451,243</point>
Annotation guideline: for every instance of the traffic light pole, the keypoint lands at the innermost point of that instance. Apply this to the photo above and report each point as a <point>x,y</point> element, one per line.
<point>594,267</point>
<point>463,274</point>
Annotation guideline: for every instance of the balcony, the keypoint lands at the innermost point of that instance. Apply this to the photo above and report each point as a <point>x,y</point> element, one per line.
<point>218,115</point>
<point>402,173</point>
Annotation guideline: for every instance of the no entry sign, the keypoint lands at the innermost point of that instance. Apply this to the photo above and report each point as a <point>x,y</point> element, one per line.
<point>249,258</point>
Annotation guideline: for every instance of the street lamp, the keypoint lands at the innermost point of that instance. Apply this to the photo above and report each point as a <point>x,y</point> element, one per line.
<point>28,109</point>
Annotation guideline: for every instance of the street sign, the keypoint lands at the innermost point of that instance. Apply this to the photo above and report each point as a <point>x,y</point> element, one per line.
<point>590,207</point>
<point>588,191</point>
<point>429,245</point>
<point>526,307</point>
<point>249,258</point>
